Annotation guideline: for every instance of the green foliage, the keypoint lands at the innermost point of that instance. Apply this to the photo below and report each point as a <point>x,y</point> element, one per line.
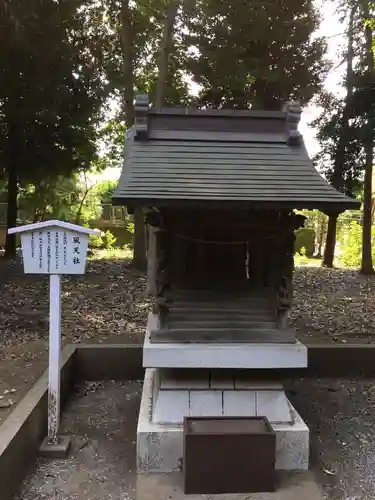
<point>351,241</point>
<point>329,126</point>
<point>254,54</point>
<point>105,190</point>
<point>112,254</point>
<point>300,257</point>
<point>105,240</point>
<point>51,198</point>
<point>96,241</point>
<point>109,240</point>
<point>305,239</point>
<point>63,198</point>
<point>51,90</point>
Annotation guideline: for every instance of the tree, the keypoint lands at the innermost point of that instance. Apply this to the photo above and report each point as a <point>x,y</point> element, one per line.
<point>72,199</point>
<point>145,68</point>
<point>369,139</point>
<point>105,191</point>
<point>255,54</point>
<point>336,138</point>
<point>165,53</point>
<point>346,126</point>
<point>51,93</point>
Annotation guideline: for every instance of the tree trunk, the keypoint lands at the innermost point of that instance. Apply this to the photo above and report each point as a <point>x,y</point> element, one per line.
<point>10,245</point>
<point>127,41</point>
<point>165,51</point>
<point>329,250</point>
<point>366,267</point>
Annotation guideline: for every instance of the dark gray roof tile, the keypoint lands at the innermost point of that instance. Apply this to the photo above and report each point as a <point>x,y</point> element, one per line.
<point>249,164</point>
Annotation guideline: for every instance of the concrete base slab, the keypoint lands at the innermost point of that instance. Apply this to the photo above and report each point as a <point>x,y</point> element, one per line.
<point>160,445</point>
<point>292,486</point>
<point>227,355</point>
<point>58,450</point>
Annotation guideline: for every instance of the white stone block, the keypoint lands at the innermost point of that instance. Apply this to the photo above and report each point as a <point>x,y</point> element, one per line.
<point>292,444</point>
<point>206,403</point>
<point>171,407</point>
<point>246,382</point>
<point>159,448</point>
<point>273,405</point>
<point>221,355</point>
<point>172,379</point>
<point>239,404</point>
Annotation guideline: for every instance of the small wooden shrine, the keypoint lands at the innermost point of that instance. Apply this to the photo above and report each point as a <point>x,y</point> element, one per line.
<point>219,189</point>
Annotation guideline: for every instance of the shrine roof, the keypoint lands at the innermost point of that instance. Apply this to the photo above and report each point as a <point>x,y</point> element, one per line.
<point>252,158</point>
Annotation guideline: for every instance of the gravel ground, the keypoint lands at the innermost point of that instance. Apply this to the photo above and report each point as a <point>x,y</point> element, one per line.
<point>110,300</point>
<point>108,305</point>
<point>101,418</point>
<point>341,418</point>
<point>333,305</point>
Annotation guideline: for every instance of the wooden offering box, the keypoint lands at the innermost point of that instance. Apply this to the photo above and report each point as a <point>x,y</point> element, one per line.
<point>228,455</point>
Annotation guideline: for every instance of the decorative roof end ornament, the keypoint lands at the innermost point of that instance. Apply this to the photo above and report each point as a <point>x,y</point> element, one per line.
<point>141,117</point>
<point>293,116</point>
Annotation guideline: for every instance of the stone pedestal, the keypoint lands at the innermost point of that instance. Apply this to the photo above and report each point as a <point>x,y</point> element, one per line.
<point>160,431</point>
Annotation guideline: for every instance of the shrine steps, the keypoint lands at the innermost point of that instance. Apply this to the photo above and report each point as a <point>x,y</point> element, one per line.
<point>221,316</point>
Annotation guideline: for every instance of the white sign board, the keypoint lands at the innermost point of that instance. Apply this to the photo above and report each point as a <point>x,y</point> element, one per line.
<point>54,251</point>
<point>54,247</point>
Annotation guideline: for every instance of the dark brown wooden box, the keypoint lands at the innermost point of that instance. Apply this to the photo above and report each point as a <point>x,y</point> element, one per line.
<point>228,455</point>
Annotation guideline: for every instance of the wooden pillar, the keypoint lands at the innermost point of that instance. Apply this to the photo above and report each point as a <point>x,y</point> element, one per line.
<point>256,263</point>
<point>288,224</point>
<point>158,266</point>
<point>152,260</point>
<point>162,277</point>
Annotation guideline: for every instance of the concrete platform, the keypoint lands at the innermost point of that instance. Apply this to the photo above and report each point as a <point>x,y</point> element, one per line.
<point>160,432</point>
<point>292,486</point>
<point>221,355</point>
<point>55,450</point>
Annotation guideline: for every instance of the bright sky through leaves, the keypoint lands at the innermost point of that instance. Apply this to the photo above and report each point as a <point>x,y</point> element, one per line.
<point>333,30</point>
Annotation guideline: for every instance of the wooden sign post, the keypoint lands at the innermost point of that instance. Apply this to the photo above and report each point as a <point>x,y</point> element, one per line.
<point>54,248</point>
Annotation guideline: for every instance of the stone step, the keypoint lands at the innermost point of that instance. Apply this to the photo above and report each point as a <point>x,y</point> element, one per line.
<point>222,335</point>
<point>220,324</point>
<point>217,314</point>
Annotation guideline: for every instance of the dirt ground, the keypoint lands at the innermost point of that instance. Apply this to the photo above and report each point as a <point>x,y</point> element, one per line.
<point>341,418</point>
<point>108,304</point>
<point>101,419</point>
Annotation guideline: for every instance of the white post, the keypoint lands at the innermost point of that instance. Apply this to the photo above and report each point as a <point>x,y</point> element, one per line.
<point>54,358</point>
